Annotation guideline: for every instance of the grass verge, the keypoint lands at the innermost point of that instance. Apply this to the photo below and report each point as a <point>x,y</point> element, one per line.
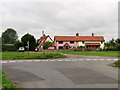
<point>24,55</point>
<point>117,63</point>
<point>92,53</point>
<point>6,84</point>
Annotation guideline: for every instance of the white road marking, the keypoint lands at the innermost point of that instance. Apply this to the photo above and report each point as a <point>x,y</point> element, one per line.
<point>44,60</point>
<point>29,60</point>
<point>4,62</point>
<point>67,60</point>
<point>80,59</point>
<point>12,61</point>
<point>59,60</point>
<point>88,59</point>
<point>20,61</point>
<point>115,59</point>
<point>95,59</point>
<point>52,60</point>
<point>74,60</point>
<point>36,60</point>
<point>109,59</point>
<point>101,59</point>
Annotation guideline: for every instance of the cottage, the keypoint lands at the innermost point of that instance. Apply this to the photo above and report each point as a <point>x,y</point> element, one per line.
<point>66,42</point>
<point>43,39</point>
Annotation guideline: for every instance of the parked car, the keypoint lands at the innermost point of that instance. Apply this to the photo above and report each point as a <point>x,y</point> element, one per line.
<point>21,49</point>
<point>36,49</point>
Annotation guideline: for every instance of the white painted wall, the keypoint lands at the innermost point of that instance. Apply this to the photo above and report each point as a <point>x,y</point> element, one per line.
<point>81,44</point>
<point>102,45</point>
<point>48,40</point>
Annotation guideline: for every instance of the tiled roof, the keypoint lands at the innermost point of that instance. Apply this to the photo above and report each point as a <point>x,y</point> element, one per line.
<point>92,43</point>
<point>80,38</point>
<point>43,38</point>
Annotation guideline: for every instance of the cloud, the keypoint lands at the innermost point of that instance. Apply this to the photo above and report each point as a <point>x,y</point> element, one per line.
<point>62,18</point>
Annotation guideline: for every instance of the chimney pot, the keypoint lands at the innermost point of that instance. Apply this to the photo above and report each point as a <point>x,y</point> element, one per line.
<point>77,34</point>
<point>43,34</point>
<point>92,34</point>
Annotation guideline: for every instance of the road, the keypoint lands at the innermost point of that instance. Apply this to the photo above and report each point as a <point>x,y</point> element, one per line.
<point>76,71</point>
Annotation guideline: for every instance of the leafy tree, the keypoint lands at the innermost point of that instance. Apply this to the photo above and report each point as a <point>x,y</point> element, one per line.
<point>0,44</point>
<point>37,43</point>
<point>111,45</point>
<point>32,42</point>
<point>18,44</point>
<point>118,41</point>
<point>9,36</point>
<point>47,44</point>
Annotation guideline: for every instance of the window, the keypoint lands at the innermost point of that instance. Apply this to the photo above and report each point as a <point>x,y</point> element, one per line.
<point>101,42</point>
<point>60,42</point>
<point>83,42</point>
<point>71,42</point>
<point>60,47</point>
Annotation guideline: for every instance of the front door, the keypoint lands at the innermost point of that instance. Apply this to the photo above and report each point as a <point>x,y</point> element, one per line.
<point>66,47</point>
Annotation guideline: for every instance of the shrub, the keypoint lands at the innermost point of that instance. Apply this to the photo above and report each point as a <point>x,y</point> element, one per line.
<point>8,48</point>
<point>117,64</point>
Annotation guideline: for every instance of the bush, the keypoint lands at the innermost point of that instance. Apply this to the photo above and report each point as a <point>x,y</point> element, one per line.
<point>18,44</point>
<point>8,48</point>
<point>47,44</point>
<point>117,64</point>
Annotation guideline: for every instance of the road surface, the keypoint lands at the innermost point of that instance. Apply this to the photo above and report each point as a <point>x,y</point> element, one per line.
<point>76,71</point>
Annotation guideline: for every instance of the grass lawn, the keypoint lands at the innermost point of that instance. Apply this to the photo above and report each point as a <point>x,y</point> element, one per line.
<point>93,53</point>
<point>6,83</point>
<point>24,55</point>
<point>117,64</point>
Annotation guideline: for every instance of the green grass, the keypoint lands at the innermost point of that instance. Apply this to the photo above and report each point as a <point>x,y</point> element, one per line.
<point>5,82</point>
<point>24,55</point>
<point>92,53</point>
<point>117,64</point>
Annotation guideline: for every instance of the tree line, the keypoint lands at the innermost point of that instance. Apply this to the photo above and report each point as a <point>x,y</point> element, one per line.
<point>113,45</point>
<point>9,42</point>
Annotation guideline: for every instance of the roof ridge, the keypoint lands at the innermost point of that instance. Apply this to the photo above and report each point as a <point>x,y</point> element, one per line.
<point>78,36</point>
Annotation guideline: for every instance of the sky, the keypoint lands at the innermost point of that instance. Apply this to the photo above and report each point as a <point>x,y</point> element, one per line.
<point>61,17</point>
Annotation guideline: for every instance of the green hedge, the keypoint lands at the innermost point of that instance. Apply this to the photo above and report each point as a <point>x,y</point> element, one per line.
<point>117,64</point>
<point>8,48</point>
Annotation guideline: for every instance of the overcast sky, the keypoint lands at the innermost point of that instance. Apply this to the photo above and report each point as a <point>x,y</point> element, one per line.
<point>61,17</point>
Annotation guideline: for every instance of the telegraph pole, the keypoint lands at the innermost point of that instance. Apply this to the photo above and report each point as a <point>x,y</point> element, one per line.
<point>28,47</point>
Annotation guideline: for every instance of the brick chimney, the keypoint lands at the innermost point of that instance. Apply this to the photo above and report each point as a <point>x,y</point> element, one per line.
<point>77,34</point>
<point>92,34</point>
<point>43,35</point>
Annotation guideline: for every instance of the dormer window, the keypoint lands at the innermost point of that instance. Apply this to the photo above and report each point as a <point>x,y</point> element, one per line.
<point>71,42</point>
<point>83,42</point>
<point>60,42</point>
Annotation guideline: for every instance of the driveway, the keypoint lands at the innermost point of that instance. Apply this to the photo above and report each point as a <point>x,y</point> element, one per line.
<point>76,71</point>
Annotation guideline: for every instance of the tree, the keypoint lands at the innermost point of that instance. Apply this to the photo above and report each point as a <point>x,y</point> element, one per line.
<point>47,44</point>
<point>112,45</point>
<point>32,42</point>
<point>18,44</point>
<point>0,44</point>
<point>9,36</point>
<point>118,41</point>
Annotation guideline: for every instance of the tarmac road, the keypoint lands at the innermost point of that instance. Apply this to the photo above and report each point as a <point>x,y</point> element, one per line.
<point>76,71</point>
